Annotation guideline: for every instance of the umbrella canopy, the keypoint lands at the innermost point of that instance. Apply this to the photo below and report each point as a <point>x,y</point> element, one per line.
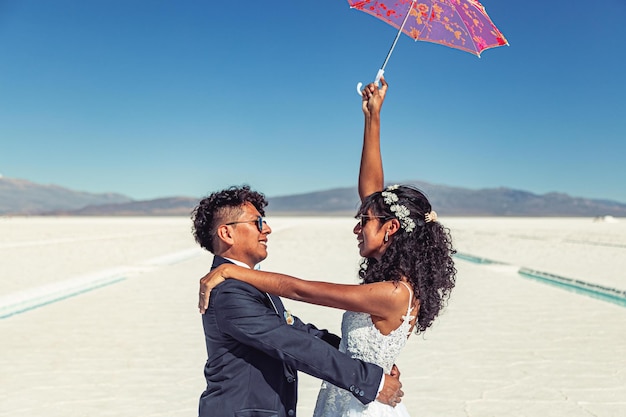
<point>460,24</point>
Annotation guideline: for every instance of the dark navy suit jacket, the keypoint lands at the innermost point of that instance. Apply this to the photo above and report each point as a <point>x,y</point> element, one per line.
<point>254,356</point>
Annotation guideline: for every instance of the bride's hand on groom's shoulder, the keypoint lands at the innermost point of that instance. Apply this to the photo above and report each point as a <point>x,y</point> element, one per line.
<point>207,283</point>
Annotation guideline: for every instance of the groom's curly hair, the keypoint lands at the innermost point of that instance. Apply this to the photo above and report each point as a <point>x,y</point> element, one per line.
<point>423,255</point>
<point>221,207</point>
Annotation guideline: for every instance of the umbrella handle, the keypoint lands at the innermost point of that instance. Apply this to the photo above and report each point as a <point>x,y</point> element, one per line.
<point>379,74</point>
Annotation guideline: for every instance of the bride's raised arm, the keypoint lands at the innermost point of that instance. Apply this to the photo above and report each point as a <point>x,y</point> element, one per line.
<point>371,177</point>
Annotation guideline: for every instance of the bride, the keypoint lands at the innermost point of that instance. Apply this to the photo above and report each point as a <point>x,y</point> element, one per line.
<point>407,273</point>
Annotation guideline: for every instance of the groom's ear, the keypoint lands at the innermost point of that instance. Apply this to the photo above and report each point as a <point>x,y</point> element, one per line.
<point>224,234</point>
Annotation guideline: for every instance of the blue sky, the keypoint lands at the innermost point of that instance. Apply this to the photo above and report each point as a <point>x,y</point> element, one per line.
<point>164,98</point>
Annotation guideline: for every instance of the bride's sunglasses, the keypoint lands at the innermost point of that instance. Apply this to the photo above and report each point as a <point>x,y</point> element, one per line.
<point>363,219</point>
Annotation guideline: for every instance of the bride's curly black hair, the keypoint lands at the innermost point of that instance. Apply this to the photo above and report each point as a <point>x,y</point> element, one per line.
<point>423,255</point>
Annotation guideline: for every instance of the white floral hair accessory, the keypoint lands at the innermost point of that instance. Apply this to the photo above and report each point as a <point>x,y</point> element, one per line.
<point>401,212</point>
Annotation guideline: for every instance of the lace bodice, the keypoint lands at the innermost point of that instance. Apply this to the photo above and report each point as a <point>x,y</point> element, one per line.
<point>362,340</point>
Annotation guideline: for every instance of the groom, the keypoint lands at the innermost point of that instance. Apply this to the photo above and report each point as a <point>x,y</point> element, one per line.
<point>254,346</point>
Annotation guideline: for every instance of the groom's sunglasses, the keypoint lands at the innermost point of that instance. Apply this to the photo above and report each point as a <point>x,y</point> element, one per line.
<point>260,222</point>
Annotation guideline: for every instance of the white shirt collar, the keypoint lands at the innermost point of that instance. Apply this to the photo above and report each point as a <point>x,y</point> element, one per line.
<point>236,262</point>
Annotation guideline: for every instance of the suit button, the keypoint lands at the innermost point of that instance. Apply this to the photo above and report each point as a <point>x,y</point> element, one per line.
<point>291,413</point>
<point>290,379</point>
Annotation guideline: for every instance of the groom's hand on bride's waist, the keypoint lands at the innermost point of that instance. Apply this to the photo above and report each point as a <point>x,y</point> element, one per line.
<point>391,393</point>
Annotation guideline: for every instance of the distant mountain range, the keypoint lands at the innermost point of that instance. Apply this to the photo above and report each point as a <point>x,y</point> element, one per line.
<point>21,197</point>
<point>27,198</point>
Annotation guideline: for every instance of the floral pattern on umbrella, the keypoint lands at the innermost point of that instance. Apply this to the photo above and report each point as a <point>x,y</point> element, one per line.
<point>460,24</point>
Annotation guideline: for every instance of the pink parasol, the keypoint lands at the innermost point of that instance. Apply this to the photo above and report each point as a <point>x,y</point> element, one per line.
<point>460,24</point>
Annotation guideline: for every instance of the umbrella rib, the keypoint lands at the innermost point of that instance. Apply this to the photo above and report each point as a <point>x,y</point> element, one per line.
<point>467,29</point>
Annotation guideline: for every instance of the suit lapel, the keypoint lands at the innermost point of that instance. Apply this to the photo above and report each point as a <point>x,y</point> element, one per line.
<point>277,305</point>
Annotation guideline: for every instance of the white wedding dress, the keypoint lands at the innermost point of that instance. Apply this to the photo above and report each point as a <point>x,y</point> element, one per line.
<point>362,340</point>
